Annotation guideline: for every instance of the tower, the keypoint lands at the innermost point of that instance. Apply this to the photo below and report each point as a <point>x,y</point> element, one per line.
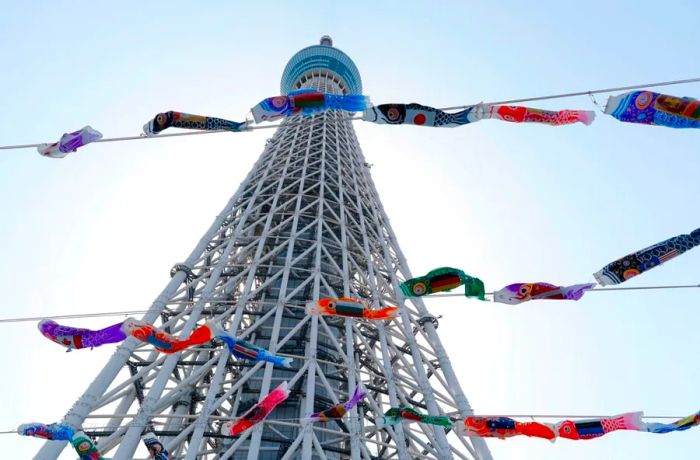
<point>306,223</point>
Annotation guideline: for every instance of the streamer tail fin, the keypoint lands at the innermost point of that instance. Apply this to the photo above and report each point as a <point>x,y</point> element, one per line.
<point>382,313</point>
<point>350,102</point>
<point>313,308</point>
<point>357,396</point>
<point>586,117</point>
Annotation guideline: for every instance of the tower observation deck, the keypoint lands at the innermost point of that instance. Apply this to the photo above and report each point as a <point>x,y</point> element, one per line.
<point>305,224</point>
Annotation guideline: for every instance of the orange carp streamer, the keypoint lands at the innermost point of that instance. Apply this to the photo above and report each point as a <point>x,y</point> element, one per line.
<point>350,308</point>
<point>504,427</point>
<point>164,342</point>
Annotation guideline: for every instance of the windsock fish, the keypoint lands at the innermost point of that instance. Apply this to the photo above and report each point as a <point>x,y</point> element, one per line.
<point>521,114</point>
<point>172,119</point>
<point>443,279</point>
<point>85,448</point>
<point>339,410</point>
<point>156,450</point>
<point>397,414</point>
<point>257,413</point>
<point>652,108</point>
<point>307,102</point>
<point>69,142</point>
<point>514,294</point>
<point>246,350</point>
<point>51,432</point>
<point>417,114</point>
<point>77,338</point>
<point>645,259</point>
<point>504,427</point>
<point>349,307</point>
<point>164,342</point>
<point>596,427</point>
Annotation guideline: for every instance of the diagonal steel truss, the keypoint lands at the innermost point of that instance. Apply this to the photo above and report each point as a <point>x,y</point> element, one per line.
<point>306,223</point>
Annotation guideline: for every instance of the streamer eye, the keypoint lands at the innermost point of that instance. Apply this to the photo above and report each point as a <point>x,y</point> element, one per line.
<point>643,100</point>
<point>162,121</point>
<point>279,102</point>
<point>331,305</point>
<point>393,114</point>
<point>419,288</point>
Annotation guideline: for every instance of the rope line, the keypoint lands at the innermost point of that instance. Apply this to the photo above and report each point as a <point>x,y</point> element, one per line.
<point>91,427</point>
<point>582,93</point>
<point>290,125</point>
<point>77,315</point>
<point>130,312</point>
<point>631,288</point>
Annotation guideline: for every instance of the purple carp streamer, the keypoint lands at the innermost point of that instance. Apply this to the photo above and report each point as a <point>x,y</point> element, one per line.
<point>651,108</point>
<point>514,294</point>
<point>73,337</point>
<point>173,119</point>
<point>69,142</point>
<point>645,259</point>
<point>339,410</point>
<point>307,102</point>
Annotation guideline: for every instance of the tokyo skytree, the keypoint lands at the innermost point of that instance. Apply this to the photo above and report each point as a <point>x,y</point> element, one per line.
<point>305,224</point>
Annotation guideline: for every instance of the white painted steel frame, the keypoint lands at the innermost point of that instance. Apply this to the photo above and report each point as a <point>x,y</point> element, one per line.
<point>306,223</point>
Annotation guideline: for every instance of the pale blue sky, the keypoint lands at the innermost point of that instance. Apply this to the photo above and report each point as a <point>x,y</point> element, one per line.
<point>100,229</point>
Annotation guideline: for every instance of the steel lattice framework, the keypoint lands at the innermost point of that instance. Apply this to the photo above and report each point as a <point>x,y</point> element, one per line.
<point>306,223</point>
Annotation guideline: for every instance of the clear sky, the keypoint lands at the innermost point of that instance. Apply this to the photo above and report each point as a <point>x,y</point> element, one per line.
<point>100,229</point>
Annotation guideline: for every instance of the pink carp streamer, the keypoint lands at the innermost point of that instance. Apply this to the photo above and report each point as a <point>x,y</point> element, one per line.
<point>597,427</point>
<point>258,412</point>
<point>520,114</point>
